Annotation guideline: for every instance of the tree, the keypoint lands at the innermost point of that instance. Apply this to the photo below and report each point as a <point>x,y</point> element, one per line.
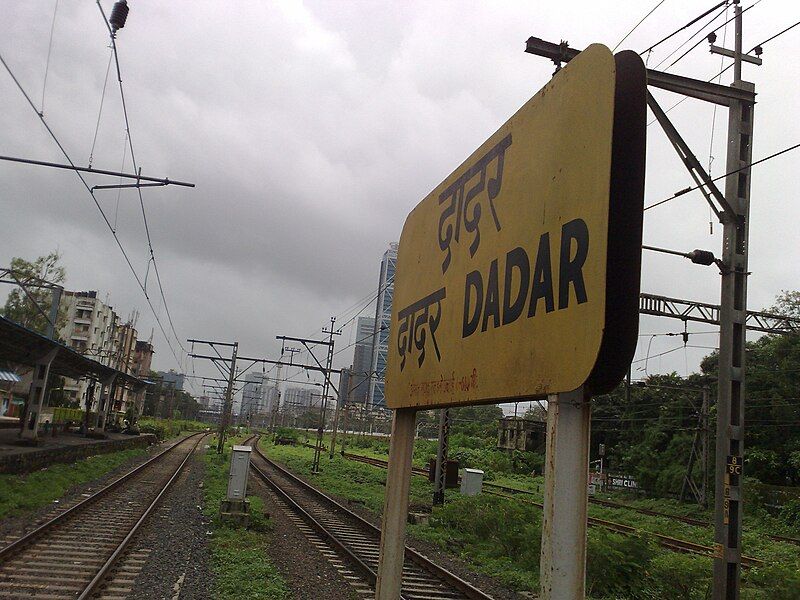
<point>787,303</point>
<point>19,307</point>
<point>479,421</point>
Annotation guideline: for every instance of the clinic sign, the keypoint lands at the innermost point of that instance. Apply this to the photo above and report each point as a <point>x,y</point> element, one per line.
<point>518,276</point>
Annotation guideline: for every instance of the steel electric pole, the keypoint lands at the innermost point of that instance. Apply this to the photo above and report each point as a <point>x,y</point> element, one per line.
<point>732,208</point>
<point>728,494</point>
<point>227,407</point>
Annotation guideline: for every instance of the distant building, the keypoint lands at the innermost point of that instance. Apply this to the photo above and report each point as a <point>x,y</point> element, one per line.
<point>142,359</point>
<point>362,361</point>
<point>140,367</point>
<point>171,377</point>
<point>383,319</point>
<point>517,433</point>
<point>297,399</point>
<point>93,329</point>
<point>258,396</point>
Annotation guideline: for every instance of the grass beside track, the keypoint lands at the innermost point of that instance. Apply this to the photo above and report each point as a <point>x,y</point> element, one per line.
<point>239,557</point>
<point>501,537</point>
<point>21,494</point>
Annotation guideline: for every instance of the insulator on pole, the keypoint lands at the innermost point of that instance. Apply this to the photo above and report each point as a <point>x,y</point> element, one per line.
<point>119,14</point>
<point>701,257</point>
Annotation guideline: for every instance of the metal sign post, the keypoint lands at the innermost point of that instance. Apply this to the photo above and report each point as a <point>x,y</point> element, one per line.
<point>395,506</point>
<point>563,555</point>
<point>518,277</point>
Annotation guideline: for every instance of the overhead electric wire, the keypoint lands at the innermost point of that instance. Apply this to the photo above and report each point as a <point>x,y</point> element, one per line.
<point>673,63</point>
<point>49,52</point>
<point>635,27</point>
<point>370,335</point>
<point>680,193</point>
<point>776,35</point>
<point>689,24</point>
<point>100,111</point>
<point>713,130</point>
<point>700,30</point>
<point>94,199</point>
<point>136,169</point>
<point>685,98</point>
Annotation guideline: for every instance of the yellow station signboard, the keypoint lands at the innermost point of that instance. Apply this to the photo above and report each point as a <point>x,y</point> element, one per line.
<point>518,276</point>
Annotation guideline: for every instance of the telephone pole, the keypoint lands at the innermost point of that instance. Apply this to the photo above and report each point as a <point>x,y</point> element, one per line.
<point>228,406</point>
<point>699,452</point>
<point>733,211</point>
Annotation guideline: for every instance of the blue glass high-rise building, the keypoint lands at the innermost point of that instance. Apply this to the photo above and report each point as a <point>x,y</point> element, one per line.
<point>383,319</point>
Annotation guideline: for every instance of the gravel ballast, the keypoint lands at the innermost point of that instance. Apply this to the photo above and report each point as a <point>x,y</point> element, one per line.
<point>176,536</point>
<point>307,572</point>
<point>16,526</point>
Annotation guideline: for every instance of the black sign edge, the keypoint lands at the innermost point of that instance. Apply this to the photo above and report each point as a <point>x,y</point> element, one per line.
<point>625,221</point>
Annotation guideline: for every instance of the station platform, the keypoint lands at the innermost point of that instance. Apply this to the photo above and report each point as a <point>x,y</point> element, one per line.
<point>64,447</point>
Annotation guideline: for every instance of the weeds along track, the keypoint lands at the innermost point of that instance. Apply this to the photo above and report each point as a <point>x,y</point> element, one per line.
<point>75,554</point>
<point>351,543</point>
<point>665,541</point>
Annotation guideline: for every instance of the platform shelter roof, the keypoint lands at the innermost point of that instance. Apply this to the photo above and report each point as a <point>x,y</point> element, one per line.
<point>21,345</point>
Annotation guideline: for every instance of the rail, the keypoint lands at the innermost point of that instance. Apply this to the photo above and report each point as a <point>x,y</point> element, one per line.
<point>425,563</point>
<point>665,541</point>
<point>55,526</point>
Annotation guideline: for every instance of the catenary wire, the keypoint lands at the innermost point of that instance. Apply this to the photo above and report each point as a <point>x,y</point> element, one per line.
<point>635,27</point>
<point>94,199</point>
<point>136,169</point>
<point>700,30</point>
<point>689,24</point>
<point>685,98</point>
<point>696,187</point>
<point>673,63</point>
<point>100,111</point>
<point>49,52</point>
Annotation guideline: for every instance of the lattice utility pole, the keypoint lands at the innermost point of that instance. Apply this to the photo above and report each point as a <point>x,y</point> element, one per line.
<point>326,371</point>
<point>699,452</point>
<point>440,476</point>
<point>230,376</point>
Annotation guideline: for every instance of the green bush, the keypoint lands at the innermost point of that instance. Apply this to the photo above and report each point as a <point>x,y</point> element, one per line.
<point>167,428</point>
<point>287,434</point>
<point>615,564</point>
<point>772,582</point>
<point>63,415</point>
<point>789,513</point>
<point>497,527</point>
<point>674,575</point>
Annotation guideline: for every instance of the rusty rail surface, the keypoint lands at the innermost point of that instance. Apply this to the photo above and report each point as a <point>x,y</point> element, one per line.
<point>449,585</point>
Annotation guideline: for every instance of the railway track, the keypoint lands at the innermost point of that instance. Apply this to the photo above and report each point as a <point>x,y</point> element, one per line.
<point>351,543</point>
<point>77,553</point>
<point>665,541</point>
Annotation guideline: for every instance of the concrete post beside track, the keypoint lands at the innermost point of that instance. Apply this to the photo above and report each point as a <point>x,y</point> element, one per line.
<point>563,553</point>
<point>395,508</point>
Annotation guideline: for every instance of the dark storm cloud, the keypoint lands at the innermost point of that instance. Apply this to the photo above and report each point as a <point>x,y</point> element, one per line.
<point>311,130</point>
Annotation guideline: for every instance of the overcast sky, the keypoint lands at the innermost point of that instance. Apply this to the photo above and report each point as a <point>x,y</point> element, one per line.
<point>311,129</point>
